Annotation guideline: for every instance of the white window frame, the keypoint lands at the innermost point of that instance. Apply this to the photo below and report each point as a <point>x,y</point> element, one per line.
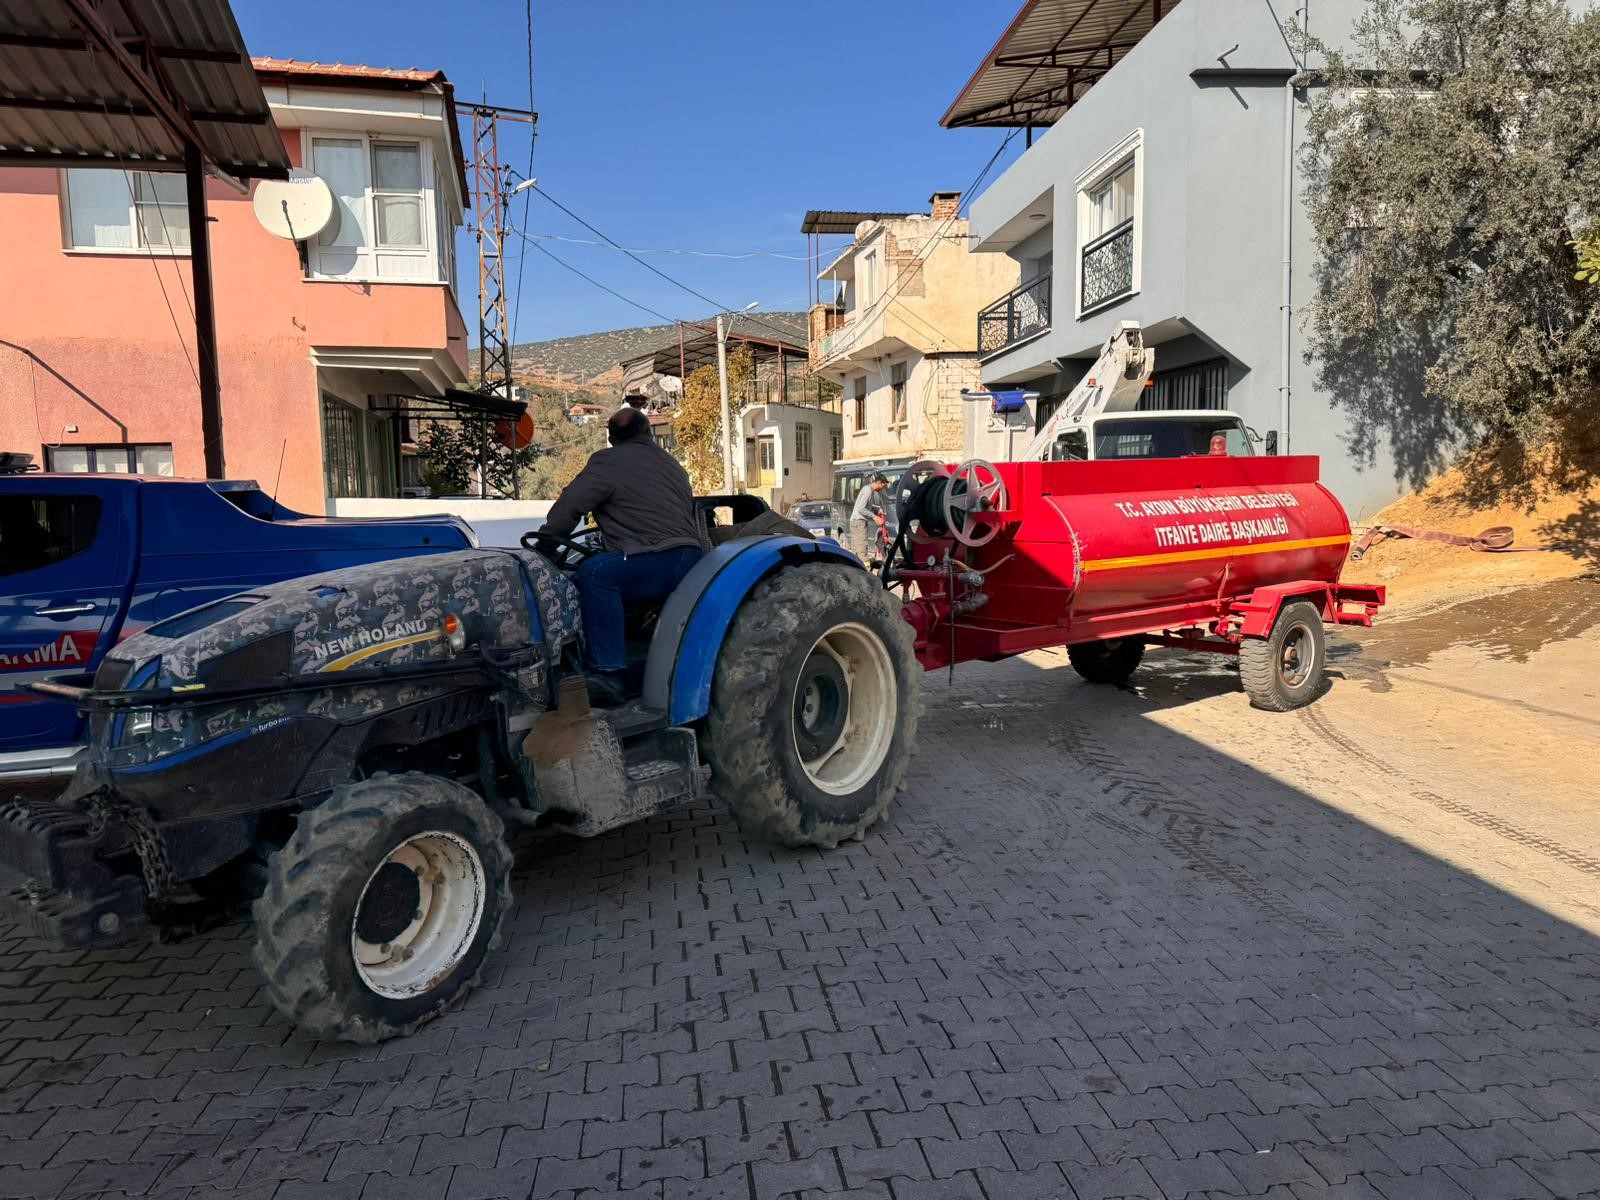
<point>430,223</point>
<point>139,246</point>
<point>1128,151</point>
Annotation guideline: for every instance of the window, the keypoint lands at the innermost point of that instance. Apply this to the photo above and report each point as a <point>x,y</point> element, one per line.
<point>897,387</point>
<point>869,278</point>
<point>36,531</point>
<point>802,442</point>
<point>111,460</point>
<point>1203,385</point>
<point>1109,204</point>
<point>858,405</point>
<point>385,224</point>
<point>769,455</point>
<point>126,210</point>
<point>358,451</point>
<point>835,443</point>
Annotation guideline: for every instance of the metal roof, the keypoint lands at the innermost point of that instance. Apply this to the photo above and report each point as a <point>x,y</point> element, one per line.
<point>1051,54</point>
<point>90,85</point>
<point>410,79</point>
<point>829,220</point>
<point>700,350</point>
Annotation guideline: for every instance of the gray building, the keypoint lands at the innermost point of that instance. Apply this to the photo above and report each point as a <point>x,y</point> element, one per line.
<point>1165,189</point>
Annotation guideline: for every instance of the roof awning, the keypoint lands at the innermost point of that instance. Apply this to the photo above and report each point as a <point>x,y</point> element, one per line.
<point>456,404</point>
<point>700,350</point>
<point>84,84</point>
<point>1050,55</point>
<point>829,220</point>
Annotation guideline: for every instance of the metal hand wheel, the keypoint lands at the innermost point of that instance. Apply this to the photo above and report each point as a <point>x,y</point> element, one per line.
<point>974,493</point>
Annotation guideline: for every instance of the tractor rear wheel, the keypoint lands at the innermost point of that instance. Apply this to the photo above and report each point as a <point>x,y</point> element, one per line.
<point>380,911</point>
<point>1111,660</point>
<point>814,706</point>
<point>1286,669</point>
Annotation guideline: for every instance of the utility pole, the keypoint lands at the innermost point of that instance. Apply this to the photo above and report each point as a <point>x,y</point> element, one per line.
<point>727,420</point>
<point>490,198</point>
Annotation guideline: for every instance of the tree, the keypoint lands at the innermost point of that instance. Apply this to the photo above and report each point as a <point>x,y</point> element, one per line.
<point>698,423</point>
<point>451,451</point>
<point>1453,161</point>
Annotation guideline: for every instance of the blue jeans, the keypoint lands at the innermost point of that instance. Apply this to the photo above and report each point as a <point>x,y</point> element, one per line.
<point>607,581</point>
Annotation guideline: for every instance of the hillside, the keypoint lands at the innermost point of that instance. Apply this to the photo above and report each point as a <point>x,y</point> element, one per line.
<point>590,360</point>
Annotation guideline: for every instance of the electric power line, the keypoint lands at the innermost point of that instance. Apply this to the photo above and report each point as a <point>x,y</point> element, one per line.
<point>556,237</point>
<point>654,269</point>
<point>612,291</point>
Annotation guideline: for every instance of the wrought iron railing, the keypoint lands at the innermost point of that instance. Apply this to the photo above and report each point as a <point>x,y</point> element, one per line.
<point>1108,266</point>
<point>1016,315</point>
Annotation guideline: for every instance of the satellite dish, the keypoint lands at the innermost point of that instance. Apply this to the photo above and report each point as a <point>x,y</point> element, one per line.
<point>296,208</point>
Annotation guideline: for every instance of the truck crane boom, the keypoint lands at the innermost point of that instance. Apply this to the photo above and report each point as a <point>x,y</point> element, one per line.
<point>1113,384</point>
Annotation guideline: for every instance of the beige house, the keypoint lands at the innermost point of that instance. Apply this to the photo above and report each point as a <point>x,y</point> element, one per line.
<point>788,452</point>
<point>900,334</point>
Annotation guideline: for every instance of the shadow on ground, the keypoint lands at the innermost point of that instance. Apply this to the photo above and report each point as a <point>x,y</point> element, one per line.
<point>1087,955</point>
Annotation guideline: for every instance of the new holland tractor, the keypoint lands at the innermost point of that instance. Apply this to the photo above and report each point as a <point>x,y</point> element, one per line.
<point>349,748</point>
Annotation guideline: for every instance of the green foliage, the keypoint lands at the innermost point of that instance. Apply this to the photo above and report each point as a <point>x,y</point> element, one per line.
<point>559,450</point>
<point>1587,248</point>
<point>1452,162</point>
<point>698,423</point>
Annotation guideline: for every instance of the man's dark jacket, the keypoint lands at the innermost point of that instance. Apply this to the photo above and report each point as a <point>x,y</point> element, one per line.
<point>639,495</point>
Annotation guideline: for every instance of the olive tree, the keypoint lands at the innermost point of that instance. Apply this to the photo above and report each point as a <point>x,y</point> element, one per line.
<point>1453,163</point>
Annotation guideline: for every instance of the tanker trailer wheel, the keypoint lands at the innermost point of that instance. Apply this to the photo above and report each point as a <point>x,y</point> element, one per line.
<point>1110,660</point>
<point>1286,669</point>
<point>380,911</point>
<point>814,706</point>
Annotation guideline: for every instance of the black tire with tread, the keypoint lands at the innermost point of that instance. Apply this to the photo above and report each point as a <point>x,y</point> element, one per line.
<point>1112,660</point>
<point>304,915</point>
<point>1260,659</point>
<point>749,739</point>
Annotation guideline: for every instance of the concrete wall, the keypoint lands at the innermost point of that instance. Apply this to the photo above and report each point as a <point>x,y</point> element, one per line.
<point>935,420</point>
<point>496,522</point>
<point>815,478</point>
<point>105,340</point>
<point>1205,91</point>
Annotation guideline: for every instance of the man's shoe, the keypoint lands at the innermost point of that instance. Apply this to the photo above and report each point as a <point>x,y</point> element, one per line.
<point>605,688</point>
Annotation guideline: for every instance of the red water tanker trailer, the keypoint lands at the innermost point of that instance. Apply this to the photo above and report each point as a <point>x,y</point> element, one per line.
<point>1237,555</point>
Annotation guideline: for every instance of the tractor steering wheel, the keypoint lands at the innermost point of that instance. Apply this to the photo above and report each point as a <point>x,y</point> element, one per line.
<point>565,552</point>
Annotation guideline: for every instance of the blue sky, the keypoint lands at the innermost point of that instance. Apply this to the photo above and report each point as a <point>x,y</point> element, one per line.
<point>708,126</point>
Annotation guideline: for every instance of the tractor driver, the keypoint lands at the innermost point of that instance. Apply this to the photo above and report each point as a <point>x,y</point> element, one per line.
<point>644,505</point>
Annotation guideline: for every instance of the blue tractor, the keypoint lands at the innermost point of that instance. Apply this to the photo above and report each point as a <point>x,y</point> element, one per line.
<point>344,751</point>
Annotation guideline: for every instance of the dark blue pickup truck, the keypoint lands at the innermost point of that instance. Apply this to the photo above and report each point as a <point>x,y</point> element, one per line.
<point>87,560</point>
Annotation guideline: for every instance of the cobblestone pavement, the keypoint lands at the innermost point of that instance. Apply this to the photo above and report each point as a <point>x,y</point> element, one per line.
<point>1142,942</point>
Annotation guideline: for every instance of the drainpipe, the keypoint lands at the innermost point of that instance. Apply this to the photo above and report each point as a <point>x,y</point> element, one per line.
<point>1285,306</point>
<point>1284,311</point>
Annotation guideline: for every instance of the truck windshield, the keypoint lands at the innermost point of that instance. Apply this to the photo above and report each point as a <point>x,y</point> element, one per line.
<point>1167,437</point>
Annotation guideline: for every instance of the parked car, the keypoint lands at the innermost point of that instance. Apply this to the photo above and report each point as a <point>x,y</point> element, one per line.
<point>87,560</point>
<point>819,518</point>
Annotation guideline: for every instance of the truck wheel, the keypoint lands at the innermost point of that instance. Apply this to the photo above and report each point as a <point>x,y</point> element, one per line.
<point>1111,660</point>
<point>814,706</point>
<point>1285,669</point>
<point>380,911</point>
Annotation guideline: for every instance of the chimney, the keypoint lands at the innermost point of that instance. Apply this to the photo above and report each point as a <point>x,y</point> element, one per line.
<point>945,205</point>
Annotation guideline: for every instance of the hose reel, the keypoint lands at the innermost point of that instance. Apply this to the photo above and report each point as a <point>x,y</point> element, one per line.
<point>946,503</point>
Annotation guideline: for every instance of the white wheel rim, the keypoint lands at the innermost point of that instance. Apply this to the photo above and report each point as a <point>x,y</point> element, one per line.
<point>450,894</point>
<point>850,760</point>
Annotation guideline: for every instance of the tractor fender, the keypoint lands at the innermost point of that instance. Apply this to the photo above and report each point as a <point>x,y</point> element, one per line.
<point>693,622</point>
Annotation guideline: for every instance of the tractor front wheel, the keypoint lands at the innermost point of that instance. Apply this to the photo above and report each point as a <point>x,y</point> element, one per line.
<point>380,911</point>
<point>814,706</point>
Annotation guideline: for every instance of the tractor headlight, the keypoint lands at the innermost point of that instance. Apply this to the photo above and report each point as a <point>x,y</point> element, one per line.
<point>455,633</point>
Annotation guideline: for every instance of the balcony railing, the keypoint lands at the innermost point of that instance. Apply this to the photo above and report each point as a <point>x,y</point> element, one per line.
<point>1017,315</point>
<point>1108,266</point>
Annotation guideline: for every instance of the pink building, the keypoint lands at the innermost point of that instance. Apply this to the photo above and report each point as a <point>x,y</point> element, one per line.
<point>316,340</point>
